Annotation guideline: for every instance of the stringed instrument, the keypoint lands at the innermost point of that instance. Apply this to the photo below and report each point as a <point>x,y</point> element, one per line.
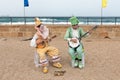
<point>74,45</point>
<point>44,43</point>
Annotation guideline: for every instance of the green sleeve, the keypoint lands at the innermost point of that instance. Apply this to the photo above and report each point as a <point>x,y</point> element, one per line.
<point>67,34</point>
<point>82,32</point>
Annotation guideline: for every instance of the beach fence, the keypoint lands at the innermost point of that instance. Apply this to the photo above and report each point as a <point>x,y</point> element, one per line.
<point>61,20</point>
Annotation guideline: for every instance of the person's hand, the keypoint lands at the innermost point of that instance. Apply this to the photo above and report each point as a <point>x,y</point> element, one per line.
<point>89,32</point>
<point>38,41</point>
<point>74,40</point>
<point>36,27</point>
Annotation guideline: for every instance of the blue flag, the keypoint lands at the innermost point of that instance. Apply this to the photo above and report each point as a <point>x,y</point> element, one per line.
<point>26,3</point>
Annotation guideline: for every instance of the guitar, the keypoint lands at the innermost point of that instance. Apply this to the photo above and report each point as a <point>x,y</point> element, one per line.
<point>44,43</point>
<point>77,43</point>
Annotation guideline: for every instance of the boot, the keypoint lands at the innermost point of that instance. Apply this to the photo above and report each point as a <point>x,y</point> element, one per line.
<point>76,62</point>
<point>45,69</point>
<point>57,65</point>
<point>80,64</point>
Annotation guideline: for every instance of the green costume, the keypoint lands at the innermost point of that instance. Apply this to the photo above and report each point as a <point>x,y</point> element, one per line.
<point>79,50</point>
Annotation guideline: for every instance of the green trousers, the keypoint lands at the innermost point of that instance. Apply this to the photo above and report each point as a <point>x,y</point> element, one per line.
<point>76,52</point>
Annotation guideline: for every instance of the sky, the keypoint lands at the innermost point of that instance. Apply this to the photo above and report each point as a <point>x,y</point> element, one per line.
<point>59,8</point>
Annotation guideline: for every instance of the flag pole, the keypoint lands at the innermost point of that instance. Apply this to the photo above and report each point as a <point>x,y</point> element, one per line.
<point>103,5</point>
<point>101,14</point>
<point>24,17</point>
<point>101,10</point>
<point>26,4</point>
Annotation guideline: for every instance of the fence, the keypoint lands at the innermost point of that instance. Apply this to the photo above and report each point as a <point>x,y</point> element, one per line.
<point>61,20</point>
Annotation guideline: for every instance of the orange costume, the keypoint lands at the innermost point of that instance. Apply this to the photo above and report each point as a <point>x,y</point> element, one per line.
<point>40,42</point>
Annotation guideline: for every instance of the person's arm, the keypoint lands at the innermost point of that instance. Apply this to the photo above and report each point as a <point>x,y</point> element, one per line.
<point>38,31</point>
<point>45,33</point>
<point>66,37</point>
<point>82,32</point>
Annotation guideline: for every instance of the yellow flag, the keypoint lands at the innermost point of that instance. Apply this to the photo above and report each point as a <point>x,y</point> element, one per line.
<point>104,3</point>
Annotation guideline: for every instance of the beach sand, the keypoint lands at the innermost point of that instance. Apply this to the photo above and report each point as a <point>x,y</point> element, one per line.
<point>102,61</point>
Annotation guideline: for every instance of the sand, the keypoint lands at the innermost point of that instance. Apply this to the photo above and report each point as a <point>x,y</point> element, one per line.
<point>102,61</point>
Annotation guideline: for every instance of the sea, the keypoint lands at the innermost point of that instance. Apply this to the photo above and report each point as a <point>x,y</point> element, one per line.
<point>60,20</point>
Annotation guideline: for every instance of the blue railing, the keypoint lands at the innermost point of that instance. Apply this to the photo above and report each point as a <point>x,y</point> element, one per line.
<point>61,20</point>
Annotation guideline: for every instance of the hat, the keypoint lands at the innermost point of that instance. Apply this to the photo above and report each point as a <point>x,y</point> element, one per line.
<point>74,20</point>
<point>37,21</point>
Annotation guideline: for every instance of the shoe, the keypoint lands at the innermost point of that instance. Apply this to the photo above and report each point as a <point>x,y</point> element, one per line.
<point>82,62</point>
<point>57,65</point>
<point>45,70</point>
<point>76,63</point>
<point>80,65</point>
